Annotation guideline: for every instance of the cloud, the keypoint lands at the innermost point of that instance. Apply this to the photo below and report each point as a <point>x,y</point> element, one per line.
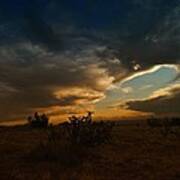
<point>151,71</point>
<point>79,95</point>
<point>127,90</point>
<point>142,86</point>
<point>49,79</point>
<point>6,90</point>
<point>47,47</point>
<point>59,26</point>
<point>162,102</point>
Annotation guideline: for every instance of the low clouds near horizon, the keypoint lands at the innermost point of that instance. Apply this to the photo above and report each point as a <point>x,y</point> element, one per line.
<point>163,102</point>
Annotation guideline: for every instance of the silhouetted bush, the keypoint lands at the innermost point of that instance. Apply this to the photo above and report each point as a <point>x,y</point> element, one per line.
<point>153,122</point>
<point>175,121</point>
<point>167,125</point>
<point>82,131</point>
<point>38,121</point>
<point>69,142</point>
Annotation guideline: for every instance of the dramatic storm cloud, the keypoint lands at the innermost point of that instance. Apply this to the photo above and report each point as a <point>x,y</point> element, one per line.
<point>66,57</point>
<point>162,102</point>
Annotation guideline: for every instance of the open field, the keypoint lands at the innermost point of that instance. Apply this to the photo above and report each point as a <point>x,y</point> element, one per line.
<point>135,152</point>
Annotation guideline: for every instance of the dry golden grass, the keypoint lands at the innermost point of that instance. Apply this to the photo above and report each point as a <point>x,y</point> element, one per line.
<point>135,152</point>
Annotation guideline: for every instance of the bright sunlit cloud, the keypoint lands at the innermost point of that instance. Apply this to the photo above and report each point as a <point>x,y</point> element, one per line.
<point>151,71</point>
<point>141,85</point>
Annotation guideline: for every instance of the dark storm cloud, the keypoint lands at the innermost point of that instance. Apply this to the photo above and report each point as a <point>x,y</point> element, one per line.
<point>147,31</point>
<point>41,32</point>
<point>28,85</point>
<point>165,101</point>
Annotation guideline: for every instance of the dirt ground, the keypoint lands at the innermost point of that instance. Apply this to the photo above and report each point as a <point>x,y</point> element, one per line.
<point>135,152</point>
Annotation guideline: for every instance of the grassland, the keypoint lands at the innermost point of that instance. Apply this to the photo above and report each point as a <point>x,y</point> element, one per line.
<point>135,152</point>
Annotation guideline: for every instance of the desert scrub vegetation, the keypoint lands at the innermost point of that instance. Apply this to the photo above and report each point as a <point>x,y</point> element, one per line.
<point>38,121</point>
<point>168,126</point>
<point>134,152</point>
<point>69,143</point>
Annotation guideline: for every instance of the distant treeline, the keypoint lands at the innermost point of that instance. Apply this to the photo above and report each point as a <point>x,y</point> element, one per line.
<point>173,121</point>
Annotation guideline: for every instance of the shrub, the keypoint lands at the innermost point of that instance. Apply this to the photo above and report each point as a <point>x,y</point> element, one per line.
<point>153,122</point>
<point>175,121</point>
<point>69,142</point>
<point>38,121</point>
<point>82,131</point>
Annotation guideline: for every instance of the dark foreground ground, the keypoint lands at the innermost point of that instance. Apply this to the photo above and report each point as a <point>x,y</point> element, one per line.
<point>135,152</point>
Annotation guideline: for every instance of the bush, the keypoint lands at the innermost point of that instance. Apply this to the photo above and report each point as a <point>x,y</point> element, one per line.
<point>38,121</point>
<point>83,131</point>
<point>69,142</point>
<point>167,125</point>
<point>153,122</point>
<point>175,121</point>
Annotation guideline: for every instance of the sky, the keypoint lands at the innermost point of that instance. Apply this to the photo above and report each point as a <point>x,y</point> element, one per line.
<point>118,58</point>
